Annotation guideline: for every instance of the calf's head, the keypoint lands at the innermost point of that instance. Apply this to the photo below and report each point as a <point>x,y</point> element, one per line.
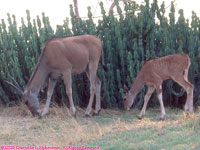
<point>128,99</point>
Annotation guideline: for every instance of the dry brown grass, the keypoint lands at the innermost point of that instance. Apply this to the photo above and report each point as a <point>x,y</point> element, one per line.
<point>59,128</point>
<point>56,129</point>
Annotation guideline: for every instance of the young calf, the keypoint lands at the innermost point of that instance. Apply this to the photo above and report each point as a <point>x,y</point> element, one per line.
<point>153,73</point>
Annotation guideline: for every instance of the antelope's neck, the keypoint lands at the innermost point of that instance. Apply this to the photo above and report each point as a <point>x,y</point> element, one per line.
<point>37,80</point>
<point>137,85</point>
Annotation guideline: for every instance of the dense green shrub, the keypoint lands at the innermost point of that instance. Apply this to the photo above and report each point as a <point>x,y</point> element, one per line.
<point>129,39</point>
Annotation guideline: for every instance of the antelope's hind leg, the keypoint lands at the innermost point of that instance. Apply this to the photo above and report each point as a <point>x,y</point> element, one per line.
<point>91,73</point>
<point>182,80</point>
<point>98,97</point>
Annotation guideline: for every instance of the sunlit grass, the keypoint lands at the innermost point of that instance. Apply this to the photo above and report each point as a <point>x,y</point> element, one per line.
<point>112,129</point>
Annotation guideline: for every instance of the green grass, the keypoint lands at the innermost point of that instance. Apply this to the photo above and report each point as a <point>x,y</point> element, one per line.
<point>176,138</point>
<point>178,132</point>
<point>111,130</point>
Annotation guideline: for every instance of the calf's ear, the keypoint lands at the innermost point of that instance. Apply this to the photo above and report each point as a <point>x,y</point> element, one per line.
<point>125,89</point>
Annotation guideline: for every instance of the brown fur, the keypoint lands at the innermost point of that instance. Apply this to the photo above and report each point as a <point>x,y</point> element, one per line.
<point>64,57</point>
<point>154,72</point>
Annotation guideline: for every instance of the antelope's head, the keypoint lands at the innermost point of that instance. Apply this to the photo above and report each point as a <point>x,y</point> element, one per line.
<point>32,103</point>
<point>28,98</point>
<point>128,98</point>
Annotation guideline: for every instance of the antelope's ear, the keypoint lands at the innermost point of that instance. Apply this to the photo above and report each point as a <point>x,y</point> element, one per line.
<point>125,89</point>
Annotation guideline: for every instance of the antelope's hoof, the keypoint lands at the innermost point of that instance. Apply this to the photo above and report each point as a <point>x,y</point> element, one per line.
<point>139,117</point>
<point>86,116</point>
<point>162,118</point>
<point>96,113</point>
<point>74,115</point>
<point>186,110</point>
<point>191,112</point>
<point>43,114</point>
<point>40,117</point>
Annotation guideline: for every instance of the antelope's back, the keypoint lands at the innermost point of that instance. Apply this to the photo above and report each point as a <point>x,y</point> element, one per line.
<point>73,52</point>
<point>178,63</point>
<point>165,67</point>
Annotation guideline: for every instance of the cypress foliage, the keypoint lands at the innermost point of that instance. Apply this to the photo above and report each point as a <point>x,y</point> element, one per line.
<point>136,34</point>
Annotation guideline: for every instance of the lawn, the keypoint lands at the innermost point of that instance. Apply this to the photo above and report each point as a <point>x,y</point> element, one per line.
<point>111,130</point>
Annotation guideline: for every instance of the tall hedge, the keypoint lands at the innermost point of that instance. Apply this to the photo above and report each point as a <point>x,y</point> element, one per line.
<point>136,34</point>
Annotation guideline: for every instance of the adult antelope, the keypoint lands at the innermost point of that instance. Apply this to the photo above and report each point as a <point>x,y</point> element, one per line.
<point>153,73</point>
<point>63,57</point>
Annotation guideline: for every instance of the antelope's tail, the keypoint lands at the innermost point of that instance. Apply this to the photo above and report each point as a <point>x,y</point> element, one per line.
<point>102,61</point>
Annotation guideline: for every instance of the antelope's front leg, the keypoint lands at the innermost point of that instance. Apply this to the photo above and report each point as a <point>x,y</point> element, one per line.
<point>51,87</point>
<point>146,99</point>
<point>160,99</point>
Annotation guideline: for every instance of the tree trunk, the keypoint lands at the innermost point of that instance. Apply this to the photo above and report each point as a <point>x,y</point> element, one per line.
<point>76,10</point>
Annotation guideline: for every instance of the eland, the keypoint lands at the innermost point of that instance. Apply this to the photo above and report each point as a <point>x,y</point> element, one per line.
<point>63,57</point>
